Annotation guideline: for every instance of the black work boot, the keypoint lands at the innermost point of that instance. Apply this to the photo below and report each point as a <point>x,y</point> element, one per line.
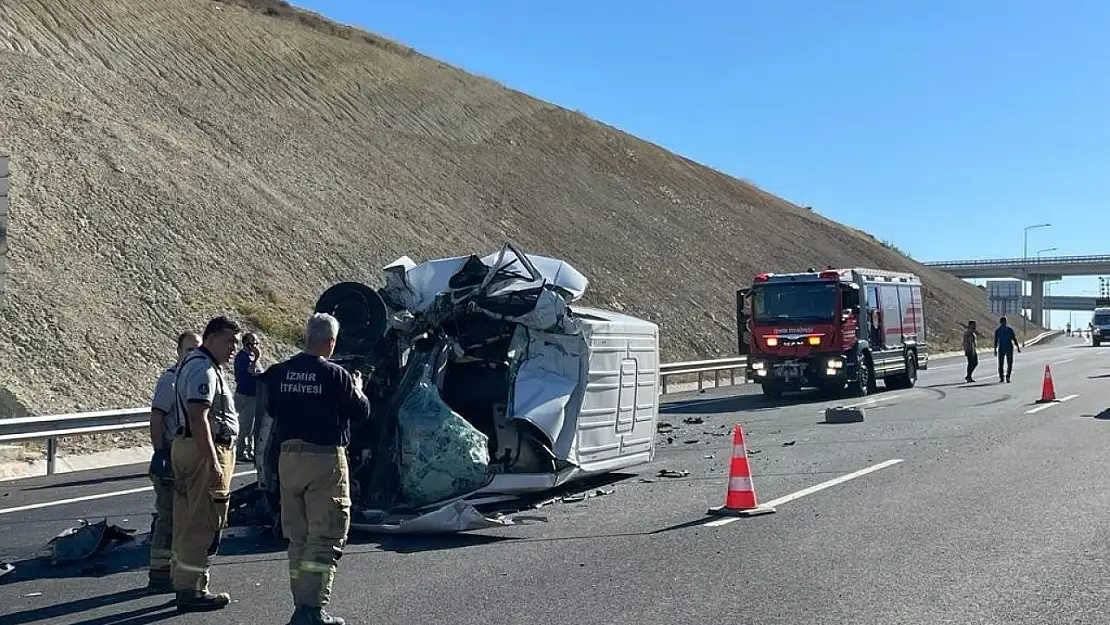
<point>192,601</point>
<point>314,615</point>
<point>159,582</point>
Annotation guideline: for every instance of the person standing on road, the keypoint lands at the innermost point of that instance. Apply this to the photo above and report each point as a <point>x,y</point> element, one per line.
<point>163,428</point>
<point>1005,340</point>
<point>970,349</point>
<point>203,458</point>
<point>247,366</point>
<point>313,402</point>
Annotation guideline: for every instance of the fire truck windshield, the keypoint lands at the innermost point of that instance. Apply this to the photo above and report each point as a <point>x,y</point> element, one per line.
<point>814,301</point>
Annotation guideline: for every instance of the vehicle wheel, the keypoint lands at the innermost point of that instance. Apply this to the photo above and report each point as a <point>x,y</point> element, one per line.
<point>909,378</point>
<point>771,390</point>
<point>862,384</point>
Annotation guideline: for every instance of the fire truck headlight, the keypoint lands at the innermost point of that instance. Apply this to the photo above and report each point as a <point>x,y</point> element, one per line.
<point>772,341</point>
<point>835,364</point>
<point>757,365</point>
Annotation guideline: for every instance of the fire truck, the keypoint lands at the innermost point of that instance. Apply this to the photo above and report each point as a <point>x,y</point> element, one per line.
<point>835,330</point>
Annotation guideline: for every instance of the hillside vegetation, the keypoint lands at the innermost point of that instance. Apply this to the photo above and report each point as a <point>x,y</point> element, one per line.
<point>176,159</point>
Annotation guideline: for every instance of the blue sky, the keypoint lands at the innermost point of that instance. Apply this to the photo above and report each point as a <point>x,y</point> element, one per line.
<point>906,119</point>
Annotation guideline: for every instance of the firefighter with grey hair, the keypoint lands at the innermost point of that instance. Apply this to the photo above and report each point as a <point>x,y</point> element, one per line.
<point>313,402</point>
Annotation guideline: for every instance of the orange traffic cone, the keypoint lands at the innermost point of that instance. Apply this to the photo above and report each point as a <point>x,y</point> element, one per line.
<point>1048,390</point>
<point>740,498</point>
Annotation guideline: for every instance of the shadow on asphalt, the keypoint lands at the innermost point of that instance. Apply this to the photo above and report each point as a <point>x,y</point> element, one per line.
<point>752,403</point>
<point>139,616</point>
<point>1102,416</point>
<point>88,482</point>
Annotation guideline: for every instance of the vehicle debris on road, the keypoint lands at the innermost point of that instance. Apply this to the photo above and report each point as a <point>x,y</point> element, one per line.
<point>86,540</point>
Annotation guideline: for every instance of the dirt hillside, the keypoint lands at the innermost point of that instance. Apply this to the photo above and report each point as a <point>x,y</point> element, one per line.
<point>176,159</point>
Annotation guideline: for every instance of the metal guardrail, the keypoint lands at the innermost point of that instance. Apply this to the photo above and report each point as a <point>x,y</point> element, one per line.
<point>700,368</point>
<point>53,427</point>
<point>1011,262</point>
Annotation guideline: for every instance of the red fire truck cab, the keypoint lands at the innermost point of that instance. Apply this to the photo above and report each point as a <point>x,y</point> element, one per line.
<point>832,330</point>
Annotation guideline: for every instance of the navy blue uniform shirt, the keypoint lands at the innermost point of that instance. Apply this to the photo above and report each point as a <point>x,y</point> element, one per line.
<point>1005,339</point>
<point>314,400</point>
<point>244,377</point>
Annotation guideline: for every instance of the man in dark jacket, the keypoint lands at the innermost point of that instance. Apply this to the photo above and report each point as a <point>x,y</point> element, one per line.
<point>970,349</point>
<point>1005,341</point>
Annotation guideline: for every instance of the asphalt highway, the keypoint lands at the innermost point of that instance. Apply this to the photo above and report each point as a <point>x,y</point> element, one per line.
<point>950,503</point>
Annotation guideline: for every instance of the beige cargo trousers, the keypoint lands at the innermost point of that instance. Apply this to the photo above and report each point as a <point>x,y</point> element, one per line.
<point>199,511</point>
<point>315,516</point>
<point>161,530</point>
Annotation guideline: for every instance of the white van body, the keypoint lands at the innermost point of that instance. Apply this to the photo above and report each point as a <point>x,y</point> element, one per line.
<point>599,421</point>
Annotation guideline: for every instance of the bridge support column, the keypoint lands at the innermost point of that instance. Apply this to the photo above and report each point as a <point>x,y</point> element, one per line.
<point>1037,300</point>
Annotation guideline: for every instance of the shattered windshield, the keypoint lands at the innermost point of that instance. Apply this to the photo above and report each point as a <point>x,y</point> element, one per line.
<point>795,302</point>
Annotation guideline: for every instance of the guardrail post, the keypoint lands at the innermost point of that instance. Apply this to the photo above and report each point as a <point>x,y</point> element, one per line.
<point>663,381</point>
<point>732,377</point>
<point>701,377</point>
<point>51,454</point>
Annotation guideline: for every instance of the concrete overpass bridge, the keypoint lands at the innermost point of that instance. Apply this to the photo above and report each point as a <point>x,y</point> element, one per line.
<point>1063,302</point>
<point>1037,270</point>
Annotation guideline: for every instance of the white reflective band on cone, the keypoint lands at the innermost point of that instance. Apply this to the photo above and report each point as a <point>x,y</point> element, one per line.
<point>738,451</point>
<point>740,483</point>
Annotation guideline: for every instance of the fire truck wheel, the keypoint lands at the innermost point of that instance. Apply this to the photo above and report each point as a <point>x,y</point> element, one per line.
<point>771,390</point>
<point>863,384</point>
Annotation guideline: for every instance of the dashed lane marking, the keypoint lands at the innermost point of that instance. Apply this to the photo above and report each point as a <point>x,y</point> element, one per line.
<point>1044,406</point>
<point>116,493</point>
<point>872,401</point>
<point>813,489</point>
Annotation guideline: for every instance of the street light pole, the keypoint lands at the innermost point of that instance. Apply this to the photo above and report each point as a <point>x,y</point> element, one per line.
<point>1025,270</point>
<point>1048,286</point>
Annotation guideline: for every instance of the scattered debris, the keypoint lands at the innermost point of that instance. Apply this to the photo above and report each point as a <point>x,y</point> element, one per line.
<point>87,540</point>
<point>672,473</point>
<point>575,498</point>
<point>840,414</point>
<point>693,420</point>
<point>690,441</point>
<point>708,456</point>
<point>789,443</point>
<point>663,427</point>
<point>33,594</point>
<point>753,452</point>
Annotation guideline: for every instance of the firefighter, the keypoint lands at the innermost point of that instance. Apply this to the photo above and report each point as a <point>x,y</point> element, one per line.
<point>203,457</point>
<point>312,402</point>
<point>163,428</point>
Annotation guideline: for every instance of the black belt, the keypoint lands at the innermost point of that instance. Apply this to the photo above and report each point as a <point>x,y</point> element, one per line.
<point>219,440</point>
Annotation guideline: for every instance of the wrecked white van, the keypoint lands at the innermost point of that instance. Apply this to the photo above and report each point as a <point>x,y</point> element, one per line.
<point>487,383</point>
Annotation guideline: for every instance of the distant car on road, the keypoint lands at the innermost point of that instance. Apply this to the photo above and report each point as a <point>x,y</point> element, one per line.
<point>1100,326</point>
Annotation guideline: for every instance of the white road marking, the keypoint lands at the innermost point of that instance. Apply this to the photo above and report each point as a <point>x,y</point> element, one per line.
<point>1043,406</point>
<point>117,493</point>
<point>1060,362</point>
<point>812,489</point>
<point>873,400</point>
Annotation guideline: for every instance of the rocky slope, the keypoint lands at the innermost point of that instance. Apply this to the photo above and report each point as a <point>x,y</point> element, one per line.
<point>176,159</point>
